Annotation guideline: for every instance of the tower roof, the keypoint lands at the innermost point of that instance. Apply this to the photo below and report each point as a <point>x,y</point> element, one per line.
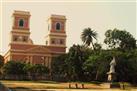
<point>58,16</point>
<point>18,12</point>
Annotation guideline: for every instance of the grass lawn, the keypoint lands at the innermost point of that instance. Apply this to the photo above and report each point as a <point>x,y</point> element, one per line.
<point>29,85</point>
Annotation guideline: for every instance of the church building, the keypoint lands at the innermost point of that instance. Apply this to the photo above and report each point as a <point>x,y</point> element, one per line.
<point>21,47</point>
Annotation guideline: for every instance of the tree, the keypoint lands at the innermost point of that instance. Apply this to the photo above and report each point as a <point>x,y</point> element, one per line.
<point>76,57</point>
<point>41,69</point>
<point>1,61</point>
<point>126,67</point>
<point>59,68</point>
<point>119,39</point>
<point>59,64</point>
<point>97,46</point>
<point>14,68</point>
<point>35,70</point>
<point>87,36</point>
<point>97,65</point>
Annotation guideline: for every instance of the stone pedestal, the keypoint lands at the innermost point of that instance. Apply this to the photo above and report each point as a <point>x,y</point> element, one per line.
<point>111,79</point>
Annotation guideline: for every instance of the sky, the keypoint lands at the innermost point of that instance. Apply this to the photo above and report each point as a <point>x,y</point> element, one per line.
<point>99,16</point>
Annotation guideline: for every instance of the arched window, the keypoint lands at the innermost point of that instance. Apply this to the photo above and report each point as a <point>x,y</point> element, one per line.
<point>21,23</point>
<point>57,26</point>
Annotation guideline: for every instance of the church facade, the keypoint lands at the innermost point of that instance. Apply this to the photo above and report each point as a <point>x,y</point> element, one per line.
<point>21,47</point>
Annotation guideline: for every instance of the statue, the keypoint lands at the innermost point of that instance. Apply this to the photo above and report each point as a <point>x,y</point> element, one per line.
<point>111,72</point>
<point>112,65</point>
<point>112,75</point>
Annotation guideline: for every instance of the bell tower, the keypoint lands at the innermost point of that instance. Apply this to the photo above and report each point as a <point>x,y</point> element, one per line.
<point>56,31</point>
<point>20,33</point>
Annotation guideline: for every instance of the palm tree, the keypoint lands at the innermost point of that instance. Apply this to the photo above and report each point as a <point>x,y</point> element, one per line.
<point>87,37</point>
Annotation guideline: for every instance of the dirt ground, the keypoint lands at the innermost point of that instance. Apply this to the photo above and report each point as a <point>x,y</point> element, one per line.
<point>75,90</point>
<point>42,85</point>
<point>57,86</point>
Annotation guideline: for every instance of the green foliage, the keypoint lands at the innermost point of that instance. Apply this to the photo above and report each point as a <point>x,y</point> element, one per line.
<point>97,46</point>
<point>76,57</point>
<point>127,66</point>
<point>14,68</point>
<point>70,65</point>
<point>20,69</point>
<point>41,69</point>
<point>84,64</point>
<point>119,39</point>
<point>59,66</point>
<point>1,61</point>
<point>96,66</point>
<point>87,36</point>
<point>37,69</point>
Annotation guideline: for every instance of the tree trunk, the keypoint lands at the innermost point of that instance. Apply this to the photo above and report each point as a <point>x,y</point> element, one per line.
<point>93,45</point>
<point>97,75</point>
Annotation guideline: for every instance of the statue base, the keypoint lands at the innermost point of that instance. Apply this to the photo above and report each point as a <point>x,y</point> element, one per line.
<point>111,77</point>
